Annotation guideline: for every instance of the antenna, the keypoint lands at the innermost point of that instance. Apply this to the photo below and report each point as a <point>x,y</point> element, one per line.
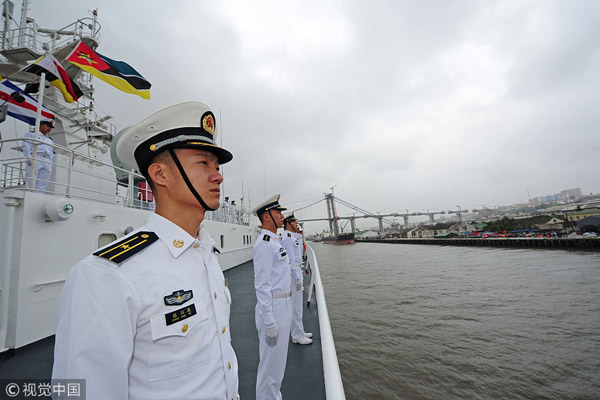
<point>242,199</point>
<point>249,201</point>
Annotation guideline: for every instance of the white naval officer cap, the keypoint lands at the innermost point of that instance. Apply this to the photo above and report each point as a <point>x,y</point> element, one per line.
<point>183,125</point>
<point>289,217</point>
<point>271,203</point>
<point>47,121</point>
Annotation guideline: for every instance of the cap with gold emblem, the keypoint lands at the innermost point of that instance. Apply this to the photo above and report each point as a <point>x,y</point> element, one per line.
<point>49,122</point>
<point>184,125</point>
<point>272,203</point>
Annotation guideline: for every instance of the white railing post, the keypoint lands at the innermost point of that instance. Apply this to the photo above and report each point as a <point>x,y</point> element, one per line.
<point>70,173</point>
<point>130,190</point>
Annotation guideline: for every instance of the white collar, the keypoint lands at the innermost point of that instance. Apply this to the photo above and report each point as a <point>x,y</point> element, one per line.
<point>175,238</point>
<point>271,234</point>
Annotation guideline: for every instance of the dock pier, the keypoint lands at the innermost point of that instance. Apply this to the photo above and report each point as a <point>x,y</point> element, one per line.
<point>544,243</point>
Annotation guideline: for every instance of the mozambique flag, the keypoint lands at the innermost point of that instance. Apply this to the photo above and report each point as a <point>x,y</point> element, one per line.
<point>56,75</point>
<point>117,73</point>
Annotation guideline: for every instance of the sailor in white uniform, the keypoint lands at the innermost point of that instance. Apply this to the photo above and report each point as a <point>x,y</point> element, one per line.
<point>274,307</point>
<point>147,317</point>
<point>232,212</point>
<point>291,241</point>
<point>44,159</point>
<point>225,210</point>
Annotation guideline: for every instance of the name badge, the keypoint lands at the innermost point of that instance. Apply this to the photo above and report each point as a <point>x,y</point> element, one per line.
<point>180,315</point>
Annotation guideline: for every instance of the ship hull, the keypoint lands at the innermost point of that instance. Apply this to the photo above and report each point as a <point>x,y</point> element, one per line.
<point>344,238</point>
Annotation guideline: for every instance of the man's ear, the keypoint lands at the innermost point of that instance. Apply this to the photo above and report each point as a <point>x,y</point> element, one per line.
<point>157,172</point>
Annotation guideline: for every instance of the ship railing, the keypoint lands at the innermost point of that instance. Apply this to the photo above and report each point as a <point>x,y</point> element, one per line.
<point>39,40</point>
<point>76,175</point>
<point>71,169</point>
<point>21,38</point>
<point>334,387</point>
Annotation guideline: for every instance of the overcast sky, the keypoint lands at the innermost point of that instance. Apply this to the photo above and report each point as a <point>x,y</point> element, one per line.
<point>403,104</point>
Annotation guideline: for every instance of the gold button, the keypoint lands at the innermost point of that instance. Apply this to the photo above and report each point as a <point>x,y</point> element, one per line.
<point>184,328</point>
<point>224,330</point>
<point>229,365</point>
<point>196,246</point>
<point>215,295</point>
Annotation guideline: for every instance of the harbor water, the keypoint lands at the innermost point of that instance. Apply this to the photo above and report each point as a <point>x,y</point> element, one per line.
<point>442,322</point>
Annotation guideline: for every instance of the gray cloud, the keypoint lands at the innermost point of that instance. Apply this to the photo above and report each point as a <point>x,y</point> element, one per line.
<point>408,105</point>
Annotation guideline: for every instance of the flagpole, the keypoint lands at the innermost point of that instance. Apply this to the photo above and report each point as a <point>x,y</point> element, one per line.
<point>38,119</point>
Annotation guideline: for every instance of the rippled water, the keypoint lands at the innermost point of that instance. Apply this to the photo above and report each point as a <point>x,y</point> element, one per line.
<point>433,322</point>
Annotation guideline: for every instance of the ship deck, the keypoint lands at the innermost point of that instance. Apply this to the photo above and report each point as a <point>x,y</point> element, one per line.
<point>304,372</point>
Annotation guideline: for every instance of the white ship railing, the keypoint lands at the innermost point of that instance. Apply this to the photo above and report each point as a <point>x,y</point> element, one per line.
<point>39,40</point>
<point>75,179</point>
<point>334,387</point>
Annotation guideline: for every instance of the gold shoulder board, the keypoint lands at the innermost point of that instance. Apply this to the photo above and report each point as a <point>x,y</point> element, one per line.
<point>131,245</point>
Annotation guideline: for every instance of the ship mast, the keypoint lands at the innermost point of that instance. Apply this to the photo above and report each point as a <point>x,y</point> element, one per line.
<point>24,9</point>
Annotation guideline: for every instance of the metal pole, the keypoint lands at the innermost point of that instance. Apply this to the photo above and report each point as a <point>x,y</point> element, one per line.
<point>6,24</point>
<point>95,23</point>
<point>38,119</point>
<point>23,24</point>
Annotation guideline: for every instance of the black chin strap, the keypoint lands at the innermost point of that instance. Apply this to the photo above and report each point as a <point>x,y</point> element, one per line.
<point>188,183</point>
<point>273,219</point>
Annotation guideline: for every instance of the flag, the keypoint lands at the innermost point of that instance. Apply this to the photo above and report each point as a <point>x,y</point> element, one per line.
<point>56,75</point>
<point>117,73</point>
<point>25,111</point>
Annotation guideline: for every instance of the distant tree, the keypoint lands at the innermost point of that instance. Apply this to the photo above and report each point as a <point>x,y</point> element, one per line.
<point>504,224</point>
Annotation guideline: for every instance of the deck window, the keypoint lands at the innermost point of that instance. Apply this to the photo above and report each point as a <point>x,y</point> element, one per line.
<point>106,238</point>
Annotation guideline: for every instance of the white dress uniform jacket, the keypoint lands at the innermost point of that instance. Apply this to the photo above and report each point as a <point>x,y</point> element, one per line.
<point>289,243</point>
<point>233,213</point>
<point>43,161</point>
<point>297,328</point>
<point>299,250</point>
<point>154,326</point>
<point>272,284</point>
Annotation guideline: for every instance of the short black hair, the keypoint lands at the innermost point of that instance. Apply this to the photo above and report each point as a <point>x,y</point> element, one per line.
<point>261,216</point>
<point>163,156</point>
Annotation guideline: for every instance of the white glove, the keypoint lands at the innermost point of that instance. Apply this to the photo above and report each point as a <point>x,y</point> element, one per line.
<point>298,284</point>
<point>271,334</point>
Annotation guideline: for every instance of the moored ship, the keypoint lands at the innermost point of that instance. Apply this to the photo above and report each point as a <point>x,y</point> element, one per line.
<point>342,238</point>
